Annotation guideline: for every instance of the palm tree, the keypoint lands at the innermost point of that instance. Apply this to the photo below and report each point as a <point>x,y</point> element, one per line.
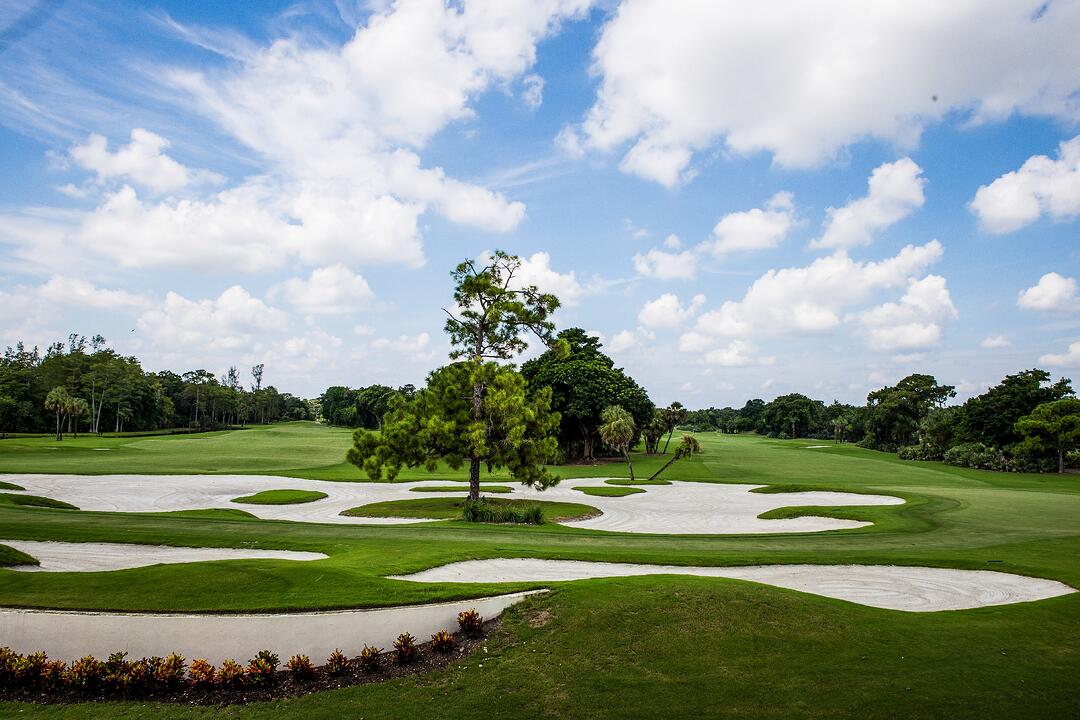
<point>58,400</point>
<point>689,446</point>
<point>618,431</point>
<point>75,410</point>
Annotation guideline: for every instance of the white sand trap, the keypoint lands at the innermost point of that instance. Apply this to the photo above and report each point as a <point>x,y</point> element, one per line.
<point>814,447</point>
<point>98,557</point>
<point>678,508</point>
<point>913,589</point>
<point>69,635</point>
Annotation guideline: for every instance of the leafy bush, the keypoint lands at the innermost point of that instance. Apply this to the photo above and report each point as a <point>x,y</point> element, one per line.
<point>300,667</point>
<point>85,673</point>
<point>337,663</point>
<point>470,622</point>
<point>405,650</point>
<point>201,673</point>
<point>28,670</point>
<point>487,512</point>
<point>52,675</point>
<point>8,658</point>
<point>442,642</point>
<point>975,455</point>
<point>142,674</point>
<point>370,658</point>
<point>922,451</point>
<point>116,672</point>
<point>231,674</point>
<point>261,668</point>
<point>170,673</point>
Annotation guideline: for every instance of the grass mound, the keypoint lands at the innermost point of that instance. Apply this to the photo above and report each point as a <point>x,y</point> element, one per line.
<point>602,491</point>
<point>459,488</point>
<point>10,486</point>
<point>211,514</point>
<point>280,497</point>
<point>34,501</point>
<point>10,556</point>
<point>451,508</point>
<point>628,481</point>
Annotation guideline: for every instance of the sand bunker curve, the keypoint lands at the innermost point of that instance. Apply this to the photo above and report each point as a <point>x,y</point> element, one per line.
<point>99,557</point>
<point>912,589</point>
<point>689,508</point>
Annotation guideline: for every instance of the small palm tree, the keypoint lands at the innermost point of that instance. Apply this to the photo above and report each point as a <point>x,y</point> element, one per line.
<point>618,431</point>
<point>76,409</point>
<point>58,400</point>
<point>689,446</point>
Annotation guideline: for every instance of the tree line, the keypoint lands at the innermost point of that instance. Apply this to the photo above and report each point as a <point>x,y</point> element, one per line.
<point>1027,422</point>
<point>85,386</point>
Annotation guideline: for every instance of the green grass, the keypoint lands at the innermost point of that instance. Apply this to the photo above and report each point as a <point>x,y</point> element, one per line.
<point>642,647</point>
<point>11,556</point>
<point>208,514</point>
<point>459,488</point>
<point>636,481</point>
<point>449,508</point>
<point>280,497</point>
<point>13,500</point>
<point>602,491</point>
<point>10,486</point>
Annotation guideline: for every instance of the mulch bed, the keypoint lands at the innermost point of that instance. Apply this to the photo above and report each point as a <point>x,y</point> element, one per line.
<point>284,685</point>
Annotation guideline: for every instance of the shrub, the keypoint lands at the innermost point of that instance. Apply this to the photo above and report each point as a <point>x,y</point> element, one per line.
<point>370,658</point>
<point>483,511</point>
<point>300,667</point>
<point>201,673</point>
<point>470,622</point>
<point>141,674</point>
<point>405,650</point>
<point>85,673</point>
<point>337,663</point>
<point>975,455</point>
<point>8,658</point>
<point>52,675</point>
<point>231,674</point>
<point>116,672</point>
<point>28,670</point>
<point>442,642</point>
<point>261,668</point>
<point>170,673</point>
<point>922,451</point>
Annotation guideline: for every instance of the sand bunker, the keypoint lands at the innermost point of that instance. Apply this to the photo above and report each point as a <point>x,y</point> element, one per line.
<point>97,557</point>
<point>678,508</point>
<point>913,589</point>
<point>71,635</point>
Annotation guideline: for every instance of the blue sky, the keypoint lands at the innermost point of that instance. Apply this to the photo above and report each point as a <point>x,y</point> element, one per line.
<point>741,201</point>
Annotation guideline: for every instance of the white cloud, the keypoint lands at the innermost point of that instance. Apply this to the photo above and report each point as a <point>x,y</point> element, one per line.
<point>533,93</point>
<point>228,322</point>
<point>667,312</point>
<point>672,242</point>
<point>912,323</point>
<point>810,298</point>
<point>1053,292</point>
<point>1041,186</point>
<point>333,290</point>
<point>995,341</point>
<point>1070,358</point>
<point>536,270</point>
<point>736,353</point>
<point>622,341</point>
<point>895,190</point>
<point>403,343</point>
<point>141,161</point>
<point>666,265</point>
<point>755,229</point>
<point>830,75</point>
<point>63,290</point>
<point>363,330</point>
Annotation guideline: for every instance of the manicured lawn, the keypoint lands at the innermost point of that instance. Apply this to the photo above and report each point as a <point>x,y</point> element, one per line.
<point>280,497</point>
<point>637,647</point>
<point>609,491</point>
<point>14,500</point>
<point>459,489</point>
<point>449,508</point>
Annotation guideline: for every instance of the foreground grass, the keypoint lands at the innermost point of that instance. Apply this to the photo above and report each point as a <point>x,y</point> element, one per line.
<point>280,497</point>
<point>450,508</point>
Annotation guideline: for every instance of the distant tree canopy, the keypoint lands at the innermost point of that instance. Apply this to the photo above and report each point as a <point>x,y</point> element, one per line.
<point>895,413</point>
<point>584,381</point>
<point>119,395</point>
<point>363,407</point>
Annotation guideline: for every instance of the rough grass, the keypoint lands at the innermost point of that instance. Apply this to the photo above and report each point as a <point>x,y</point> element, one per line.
<point>602,491</point>
<point>280,497</point>
<point>450,508</point>
<point>34,501</point>
<point>10,486</point>
<point>11,556</point>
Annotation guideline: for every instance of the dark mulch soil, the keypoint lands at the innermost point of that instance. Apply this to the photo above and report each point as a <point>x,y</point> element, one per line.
<point>284,685</point>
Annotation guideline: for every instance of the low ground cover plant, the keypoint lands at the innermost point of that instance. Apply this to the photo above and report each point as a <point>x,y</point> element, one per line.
<point>485,512</point>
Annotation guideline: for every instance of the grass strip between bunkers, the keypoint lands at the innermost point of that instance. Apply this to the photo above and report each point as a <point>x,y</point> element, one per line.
<point>280,497</point>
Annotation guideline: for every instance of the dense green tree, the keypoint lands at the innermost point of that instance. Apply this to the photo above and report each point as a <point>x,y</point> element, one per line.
<point>58,401</point>
<point>514,428</point>
<point>792,415</point>
<point>652,431</point>
<point>1052,427</point>
<point>672,415</point>
<point>617,429</point>
<point>895,413</point>
<point>991,418</point>
<point>584,381</point>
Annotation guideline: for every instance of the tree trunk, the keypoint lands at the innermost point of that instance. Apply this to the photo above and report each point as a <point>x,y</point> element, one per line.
<point>586,444</point>
<point>58,435</point>
<point>628,463</point>
<point>1061,460</point>
<point>666,466</point>
<point>668,441</point>
<point>474,479</point>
